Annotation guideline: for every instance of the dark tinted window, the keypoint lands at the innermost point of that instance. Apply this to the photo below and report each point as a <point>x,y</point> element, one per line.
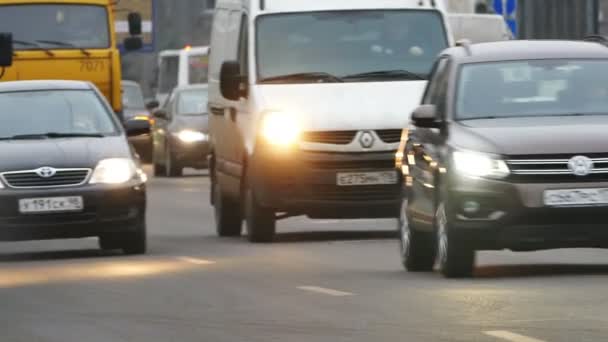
<point>198,69</point>
<point>169,69</point>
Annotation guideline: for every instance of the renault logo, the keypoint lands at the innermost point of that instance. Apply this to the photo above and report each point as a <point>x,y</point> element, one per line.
<point>580,165</point>
<point>46,172</point>
<point>366,139</point>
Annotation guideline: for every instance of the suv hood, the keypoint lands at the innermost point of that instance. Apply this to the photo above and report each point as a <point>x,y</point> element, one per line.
<point>526,136</point>
<point>345,106</point>
<point>61,153</point>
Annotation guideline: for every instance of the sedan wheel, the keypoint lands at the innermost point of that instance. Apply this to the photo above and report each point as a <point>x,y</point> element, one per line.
<point>172,167</point>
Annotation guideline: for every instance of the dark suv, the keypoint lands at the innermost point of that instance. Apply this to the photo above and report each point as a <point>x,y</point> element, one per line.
<point>509,151</point>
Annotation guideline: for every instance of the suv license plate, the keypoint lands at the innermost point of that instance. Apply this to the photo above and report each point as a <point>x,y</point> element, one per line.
<point>366,178</point>
<point>50,205</point>
<point>576,197</point>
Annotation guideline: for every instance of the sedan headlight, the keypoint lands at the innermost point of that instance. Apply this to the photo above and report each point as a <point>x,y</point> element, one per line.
<point>189,136</point>
<point>114,171</point>
<point>280,128</point>
<point>475,164</point>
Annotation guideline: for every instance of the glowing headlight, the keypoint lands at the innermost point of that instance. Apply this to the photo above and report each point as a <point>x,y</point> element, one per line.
<point>479,165</point>
<point>280,128</point>
<point>114,171</point>
<point>191,136</point>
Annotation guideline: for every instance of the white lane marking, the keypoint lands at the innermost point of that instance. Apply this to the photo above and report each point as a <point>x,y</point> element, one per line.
<point>324,290</point>
<point>196,261</point>
<point>509,336</point>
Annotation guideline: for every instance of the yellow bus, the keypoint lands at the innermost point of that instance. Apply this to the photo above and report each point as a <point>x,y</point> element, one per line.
<point>65,39</point>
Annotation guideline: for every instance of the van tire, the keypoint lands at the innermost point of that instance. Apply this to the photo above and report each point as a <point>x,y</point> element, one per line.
<point>228,217</point>
<point>260,221</point>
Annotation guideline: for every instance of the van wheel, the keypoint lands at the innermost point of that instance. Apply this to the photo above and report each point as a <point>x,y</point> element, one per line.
<point>455,258</point>
<point>172,166</point>
<point>260,221</point>
<point>418,249</point>
<point>135,242</point>
<point>228,217</point>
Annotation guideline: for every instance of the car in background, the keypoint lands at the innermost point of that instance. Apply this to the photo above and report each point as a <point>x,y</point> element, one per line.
<point>509,151</point>
<point>136,115</point>
<point>180,131</point>
<point>67,170</point>
<point>479,28</point>
<point>178,68</point>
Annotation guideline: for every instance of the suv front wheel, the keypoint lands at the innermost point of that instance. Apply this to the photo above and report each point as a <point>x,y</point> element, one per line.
<point>417,247</point>
<point>455,258</point>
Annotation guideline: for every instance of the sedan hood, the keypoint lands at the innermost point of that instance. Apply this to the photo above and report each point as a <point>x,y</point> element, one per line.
<point>60,153</point>
<point>197,123</point>
<point>345,106</point>
<point>540,135</point>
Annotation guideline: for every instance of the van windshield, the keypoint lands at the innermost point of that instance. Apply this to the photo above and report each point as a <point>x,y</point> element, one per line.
<point>356,45</point>
<point>54,26</point>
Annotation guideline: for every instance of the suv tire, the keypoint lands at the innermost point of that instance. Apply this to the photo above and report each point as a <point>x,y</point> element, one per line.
<point>418,248</point>
<point>455,258</point>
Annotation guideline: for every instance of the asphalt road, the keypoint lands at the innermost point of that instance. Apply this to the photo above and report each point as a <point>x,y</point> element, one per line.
<point>322,281</point>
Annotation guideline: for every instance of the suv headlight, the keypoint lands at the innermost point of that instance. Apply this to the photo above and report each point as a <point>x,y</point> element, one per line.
<point>476,164</point>
<point>279,128</point>
<point>114,171</point>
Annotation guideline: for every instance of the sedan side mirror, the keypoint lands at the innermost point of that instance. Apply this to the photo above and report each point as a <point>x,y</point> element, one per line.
<point>152,104</point>
<point>6,49</point>
<point>137,127</point>
<point>426,116</point>
<point>231,81</point>
<point>161,114</point>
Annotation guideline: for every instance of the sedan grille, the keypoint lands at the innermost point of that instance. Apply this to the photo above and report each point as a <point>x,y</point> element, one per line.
<point>31,178</point>
<point>554,168</point>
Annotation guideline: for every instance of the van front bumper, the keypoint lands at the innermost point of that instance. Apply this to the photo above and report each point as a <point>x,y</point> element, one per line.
<point>305,183</point>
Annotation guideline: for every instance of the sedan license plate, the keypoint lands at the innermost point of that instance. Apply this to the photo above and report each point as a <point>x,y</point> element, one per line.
<point>50,205</point>
<point>366,178</point>
<point>576,197</point>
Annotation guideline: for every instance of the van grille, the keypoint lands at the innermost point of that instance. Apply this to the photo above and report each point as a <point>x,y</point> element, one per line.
<point>31,179</point>
<point>390,136</point>
<point>330,137</point>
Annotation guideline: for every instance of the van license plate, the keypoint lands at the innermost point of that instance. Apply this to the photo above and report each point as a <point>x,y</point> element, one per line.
<point>50,205</point>
<point>576,197</point>
<point>366,178</point>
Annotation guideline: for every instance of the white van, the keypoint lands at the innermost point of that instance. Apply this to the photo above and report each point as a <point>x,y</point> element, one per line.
<point>307,101</point>
<point>479,28</point>
<point>178,68</point>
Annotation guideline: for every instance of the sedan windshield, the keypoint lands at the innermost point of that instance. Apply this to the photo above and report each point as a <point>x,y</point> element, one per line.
<point>349,45</point>
<point>132,98</point>
<point>54,26</point>
<point>532,88</point>
<point>54,114</point>
<point>192,102</point>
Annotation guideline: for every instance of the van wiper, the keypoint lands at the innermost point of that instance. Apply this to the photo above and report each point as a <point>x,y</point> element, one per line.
<point>66,44</point>
<point>390,74</point>
<point>37,46</point>
<point>312,76</point>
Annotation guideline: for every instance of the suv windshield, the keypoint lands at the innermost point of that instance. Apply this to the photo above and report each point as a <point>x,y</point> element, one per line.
<point>532,88</point>
<point>349,44</point>
<point>56,26</point>
<point>192,102</point>
<point>57,111</point>
<point>132,98</point>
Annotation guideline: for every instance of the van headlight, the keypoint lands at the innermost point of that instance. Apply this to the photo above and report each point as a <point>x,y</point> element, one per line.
<point>279,128</point>
<point>188,136</point>
<point>474,164</point>
<point>114,171</point>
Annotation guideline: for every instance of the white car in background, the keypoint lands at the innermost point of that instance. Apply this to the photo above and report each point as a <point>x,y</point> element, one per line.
<point>479,28</point>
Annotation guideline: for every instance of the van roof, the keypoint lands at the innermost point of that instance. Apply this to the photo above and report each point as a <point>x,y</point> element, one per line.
<point>281,6</point>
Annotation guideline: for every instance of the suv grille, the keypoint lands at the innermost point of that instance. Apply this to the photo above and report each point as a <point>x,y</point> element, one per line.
<point>390,136</point>
<point>30,179</point>
<point>554,168</point>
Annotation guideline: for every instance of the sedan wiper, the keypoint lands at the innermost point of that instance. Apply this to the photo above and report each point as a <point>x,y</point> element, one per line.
<point>36,45</point>
<point>52,135</point>
<point>313,76</point>
<point>383,74</point>
<point>66,44</point>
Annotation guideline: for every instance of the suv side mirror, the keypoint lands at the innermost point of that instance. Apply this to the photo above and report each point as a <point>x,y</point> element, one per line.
<point>231,81</point>
<point>426,116</point>
<point>152,104</point>
<point>161,114</point>
<point>6,49</point>
<point>134,19</point>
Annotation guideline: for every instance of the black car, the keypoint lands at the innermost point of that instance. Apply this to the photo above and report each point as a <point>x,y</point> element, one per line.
<point>509,151</point>
<point>137,115</point>
<point>66,168</point>
<point>180,132</point>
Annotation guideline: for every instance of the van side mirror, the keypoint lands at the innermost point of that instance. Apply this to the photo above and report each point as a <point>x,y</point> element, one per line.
<point>231,81</point>
<point>133,43</point>
<point>426,116</point>
<point>6,49</point>
<point>134,19</point>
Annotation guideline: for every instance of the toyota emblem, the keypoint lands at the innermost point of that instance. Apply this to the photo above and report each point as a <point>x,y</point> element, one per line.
<point>46,172</point>
<point>366,139</point>
<point>580,165</point>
